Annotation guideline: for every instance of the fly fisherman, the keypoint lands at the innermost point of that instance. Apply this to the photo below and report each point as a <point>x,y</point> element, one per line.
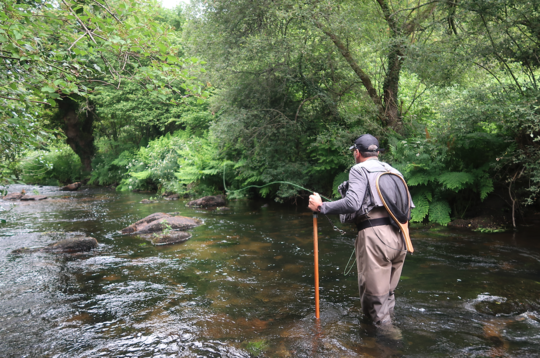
<point>380,249</point>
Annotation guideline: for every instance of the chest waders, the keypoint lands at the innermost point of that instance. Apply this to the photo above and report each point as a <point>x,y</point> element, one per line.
<point>396,199</point>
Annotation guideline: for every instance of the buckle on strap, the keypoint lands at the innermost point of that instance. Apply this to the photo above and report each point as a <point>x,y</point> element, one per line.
<point>372,222</point>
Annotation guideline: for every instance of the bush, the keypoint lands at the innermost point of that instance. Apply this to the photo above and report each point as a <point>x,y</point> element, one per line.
<point>448,173</point>
<point>57,164</point>
<point>173,163</point>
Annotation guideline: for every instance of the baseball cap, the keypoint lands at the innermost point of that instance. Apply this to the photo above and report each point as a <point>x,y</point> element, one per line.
<point>366,143</point>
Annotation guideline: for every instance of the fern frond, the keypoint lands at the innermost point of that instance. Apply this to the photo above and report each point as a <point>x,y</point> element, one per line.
<point>142,175</point>
<point>419,212</point>
<point>456,180</point>
<point>439,212</point>
<point>419,179</point>
<point>486,187</point>
<point>340,178</point>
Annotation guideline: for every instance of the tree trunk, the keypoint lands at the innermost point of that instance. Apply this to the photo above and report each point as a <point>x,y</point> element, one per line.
<point>79,129</point>
<point>391,88</point>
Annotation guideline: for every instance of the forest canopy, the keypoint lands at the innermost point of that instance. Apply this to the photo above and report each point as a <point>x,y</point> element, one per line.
<point>250,92</point>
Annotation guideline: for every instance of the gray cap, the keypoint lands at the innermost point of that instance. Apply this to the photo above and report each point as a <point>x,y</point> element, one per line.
<point>366,143</point>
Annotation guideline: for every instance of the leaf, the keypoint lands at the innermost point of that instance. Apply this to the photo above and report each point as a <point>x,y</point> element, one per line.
<point>48,89</point>
<point>456,180</point>
<point>439,212</point>
<point>142,175</point>
<point>421,209</point>
<point>419,179</point>
<point>486,187</point>
<point>340,178</point>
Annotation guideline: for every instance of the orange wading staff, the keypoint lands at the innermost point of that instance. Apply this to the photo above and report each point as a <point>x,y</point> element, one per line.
<point>316,255</point>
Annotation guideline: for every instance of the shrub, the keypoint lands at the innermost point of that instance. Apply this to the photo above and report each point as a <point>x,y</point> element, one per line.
<point>448,172</point>
<point>52,166</point>
<point>173,163</point>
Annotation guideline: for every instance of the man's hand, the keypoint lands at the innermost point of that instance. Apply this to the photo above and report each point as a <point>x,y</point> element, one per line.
<point>314,202</point>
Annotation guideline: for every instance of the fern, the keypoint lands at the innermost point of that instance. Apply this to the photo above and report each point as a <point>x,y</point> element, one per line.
<point>486,187</point>
<point>340,178</point>
<point>142,175</point>
<point>455,180</point>
<point>421,209</point>
<point>420,178</point>
<point>439,212</point>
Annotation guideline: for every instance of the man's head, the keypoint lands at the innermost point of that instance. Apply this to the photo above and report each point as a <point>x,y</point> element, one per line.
<point>364,147</point>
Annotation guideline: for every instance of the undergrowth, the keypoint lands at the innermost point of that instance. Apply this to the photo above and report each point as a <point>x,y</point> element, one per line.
<point>55,165</point>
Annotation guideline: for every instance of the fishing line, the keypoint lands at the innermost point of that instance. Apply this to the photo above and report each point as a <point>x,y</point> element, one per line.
<point>265,185</point>
<point>342,232</point>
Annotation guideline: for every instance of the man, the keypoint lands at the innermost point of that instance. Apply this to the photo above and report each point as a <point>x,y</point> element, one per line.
<point>380,249</point>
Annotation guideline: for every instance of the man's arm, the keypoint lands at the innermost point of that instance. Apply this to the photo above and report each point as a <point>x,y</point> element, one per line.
<point>349,204</point>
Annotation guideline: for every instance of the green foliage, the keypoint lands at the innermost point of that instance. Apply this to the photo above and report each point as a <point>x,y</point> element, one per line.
<point>57,164</point>
<point>173,163</point>
<point>456,180</point>
<point>489,230</point>
<point>440,170</point>
<point>257,348</point>
<point>56,52</point>
<point>439,212</point>
<point>109,168</point>
<point>340,178</point>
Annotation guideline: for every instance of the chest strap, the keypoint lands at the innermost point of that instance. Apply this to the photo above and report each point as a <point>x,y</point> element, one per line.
<point>372,222</point>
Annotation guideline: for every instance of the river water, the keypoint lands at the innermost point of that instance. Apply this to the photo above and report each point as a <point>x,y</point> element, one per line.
<point>242,286</point>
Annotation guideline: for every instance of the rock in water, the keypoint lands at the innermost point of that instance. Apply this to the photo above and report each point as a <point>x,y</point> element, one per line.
<point>160,221</point>
<point>13,196</point>
<point>69,245</point>
<point>208,201</point>
<point>33,197</point>
<point>74,244</point>
<point>71,187</point>
<point>173,237</point>
<point>172,197</point>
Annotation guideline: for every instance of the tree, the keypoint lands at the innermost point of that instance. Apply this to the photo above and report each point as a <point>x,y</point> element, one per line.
<point>55,55</point>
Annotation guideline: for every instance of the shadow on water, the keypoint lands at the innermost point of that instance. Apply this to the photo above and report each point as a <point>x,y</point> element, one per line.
<point>242,286</point>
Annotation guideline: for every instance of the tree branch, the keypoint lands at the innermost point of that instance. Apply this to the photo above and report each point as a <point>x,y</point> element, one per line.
<point>21,100</point>
<point>109,11</point>
<point>498,56</point>
<point>366,81</point>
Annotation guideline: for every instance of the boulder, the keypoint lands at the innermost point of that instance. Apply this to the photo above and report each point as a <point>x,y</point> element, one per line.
<point>69,245</point>
<point>172,197</point>
<point>208,201</point>
<point>71,187</point>
<point>160,221</point>
<point>13,196</point>
<point>166,238</point>
<point>33,197</point>
<point>147,201</point>
<point>74,244</point>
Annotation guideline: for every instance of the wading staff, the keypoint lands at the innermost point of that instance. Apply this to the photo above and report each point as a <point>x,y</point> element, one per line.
<point>316,255</point>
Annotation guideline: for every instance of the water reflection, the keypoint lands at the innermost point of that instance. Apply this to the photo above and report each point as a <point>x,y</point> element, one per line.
<point>242,286</point>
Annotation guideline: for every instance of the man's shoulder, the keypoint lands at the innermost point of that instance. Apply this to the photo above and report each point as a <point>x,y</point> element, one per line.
<point>372,165</point>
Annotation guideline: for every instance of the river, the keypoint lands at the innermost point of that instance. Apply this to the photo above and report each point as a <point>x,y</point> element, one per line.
<point>242,286</point>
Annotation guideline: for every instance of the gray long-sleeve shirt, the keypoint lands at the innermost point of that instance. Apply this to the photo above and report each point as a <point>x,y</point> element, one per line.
<point>356,200</point>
